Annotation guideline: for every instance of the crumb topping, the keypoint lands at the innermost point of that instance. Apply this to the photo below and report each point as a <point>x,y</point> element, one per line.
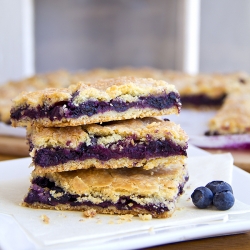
<point>126,88</point>
<point>98,185</point>
<point>126,217</point>
<point>71,137</point>
<point>145,216</point>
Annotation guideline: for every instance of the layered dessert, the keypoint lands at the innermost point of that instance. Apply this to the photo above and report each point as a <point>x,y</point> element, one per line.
<point>110,191</point>
<point>95,146</point>
<point>100,101</point>
<point>145,143</point>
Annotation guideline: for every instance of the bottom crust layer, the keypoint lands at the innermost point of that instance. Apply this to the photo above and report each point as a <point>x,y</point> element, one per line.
<point>110,210</point>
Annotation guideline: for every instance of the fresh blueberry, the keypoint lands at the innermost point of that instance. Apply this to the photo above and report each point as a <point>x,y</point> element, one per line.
<point>202,197</point>
<point>223,200</point>
<point>219,186</point>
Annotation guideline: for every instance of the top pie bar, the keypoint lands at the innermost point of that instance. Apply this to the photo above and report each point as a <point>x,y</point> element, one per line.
<point>96,102</point>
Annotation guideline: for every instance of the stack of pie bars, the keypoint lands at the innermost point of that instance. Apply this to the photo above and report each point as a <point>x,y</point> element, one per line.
<point>100,146</point>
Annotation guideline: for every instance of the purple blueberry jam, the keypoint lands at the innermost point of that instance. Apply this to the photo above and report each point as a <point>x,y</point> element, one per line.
<point>199,100</point>
<point>67,109</point>
<point>41,187</point>
<point>129,148</point>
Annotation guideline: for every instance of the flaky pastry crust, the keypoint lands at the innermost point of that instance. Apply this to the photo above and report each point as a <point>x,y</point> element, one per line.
<point>71,137</point>
<point>161,185</point>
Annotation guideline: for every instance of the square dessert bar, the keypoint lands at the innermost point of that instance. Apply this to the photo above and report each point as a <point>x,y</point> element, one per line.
<point>146,143</point>
<point>234,116</point>
<point>110,191</point>
<point>100,101</point>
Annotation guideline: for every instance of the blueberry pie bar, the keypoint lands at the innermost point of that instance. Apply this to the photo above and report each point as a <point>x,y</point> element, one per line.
<point>110,191</point>
<point>233,117</point>
<point>100,101</point>
<point>146,143</point>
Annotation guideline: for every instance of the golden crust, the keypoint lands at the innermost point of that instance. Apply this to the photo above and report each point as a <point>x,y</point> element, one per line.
<point>45,97</point>
<point>124,87</point>
<point>211,85</point>
<point>109,184</point>
<point>233,117</point>
<point>102,89</point>
<point>146,164</point>
<point>110,210</point>
<point>71,137</point>
<point>158,186</point>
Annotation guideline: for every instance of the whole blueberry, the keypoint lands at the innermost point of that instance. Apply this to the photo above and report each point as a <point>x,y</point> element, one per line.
<point>223,200</point>
<point>202,197</point>
<point>219,186</point>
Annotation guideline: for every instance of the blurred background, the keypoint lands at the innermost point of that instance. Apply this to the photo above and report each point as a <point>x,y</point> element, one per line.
<point>188,35</point>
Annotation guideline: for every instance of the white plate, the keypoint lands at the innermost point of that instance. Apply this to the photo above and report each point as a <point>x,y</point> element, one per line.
<point>195,123</point>
<point>22,228</point>
<point>8,130</point>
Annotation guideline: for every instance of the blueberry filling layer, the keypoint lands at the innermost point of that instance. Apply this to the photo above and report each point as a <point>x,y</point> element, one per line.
<point>42,189</point>
<point>68,109</point>
<point>198,100</point>
<point>128,148</point>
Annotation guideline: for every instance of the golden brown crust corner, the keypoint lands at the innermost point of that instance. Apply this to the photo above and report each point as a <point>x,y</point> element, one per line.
<point>234,116</point>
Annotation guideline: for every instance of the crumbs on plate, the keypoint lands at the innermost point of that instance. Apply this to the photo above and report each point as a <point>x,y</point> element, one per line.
<point>90,213</point>
<point>45,218</point>
<point>145,216</point>
<point>124,218</point>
